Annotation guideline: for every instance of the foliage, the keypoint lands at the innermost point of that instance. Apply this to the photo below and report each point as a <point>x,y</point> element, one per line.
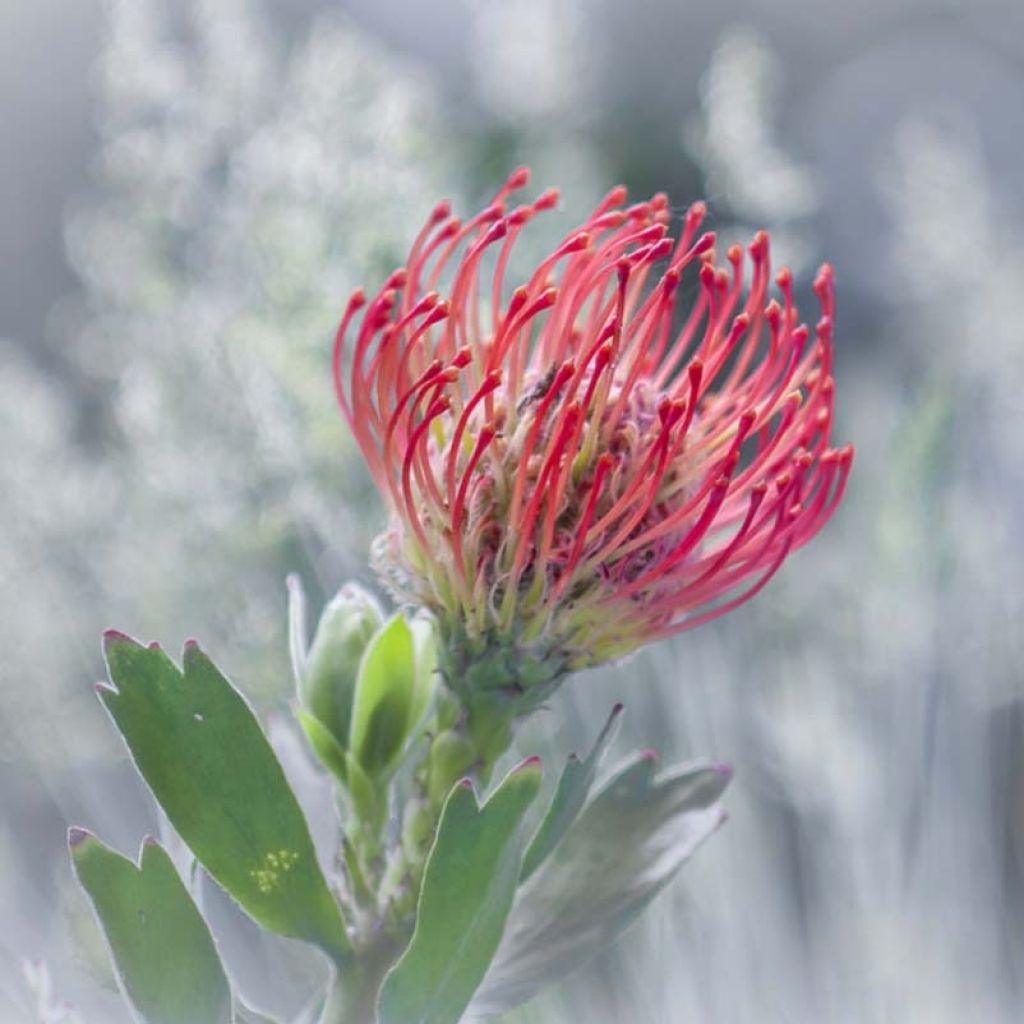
<point>423,920</point>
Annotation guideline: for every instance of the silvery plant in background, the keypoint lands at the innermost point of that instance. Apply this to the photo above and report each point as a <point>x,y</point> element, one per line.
<point>872,862</point>
<point>532,73</point>
<point>734,139</point>
<point>238,184</point>
<point>231,171</point>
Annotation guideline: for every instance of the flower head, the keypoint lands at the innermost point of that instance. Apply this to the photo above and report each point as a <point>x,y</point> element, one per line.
<point>584,463</point>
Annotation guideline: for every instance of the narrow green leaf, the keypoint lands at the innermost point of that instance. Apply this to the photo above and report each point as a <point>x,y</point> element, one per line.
<point>424,640</point>
<point>198,745</point>
<point>384,698</point>
<point>370,809</point>
<point>329,752</point>
<point>160,944</point>
<point>468,885</point>
<point>573,789</point>
<point>614,859</point>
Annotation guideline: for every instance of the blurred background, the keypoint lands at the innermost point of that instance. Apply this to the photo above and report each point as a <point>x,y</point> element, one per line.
<point>188,191</point>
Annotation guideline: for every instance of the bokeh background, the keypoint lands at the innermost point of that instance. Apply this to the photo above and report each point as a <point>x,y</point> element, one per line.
<point>188,191</point>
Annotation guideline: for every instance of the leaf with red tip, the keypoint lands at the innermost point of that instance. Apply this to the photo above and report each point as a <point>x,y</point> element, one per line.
<point>617,856</point>
<point>163,951</point>
<point>198,745</point>
<point>468,885</point>
<point>573,789</point>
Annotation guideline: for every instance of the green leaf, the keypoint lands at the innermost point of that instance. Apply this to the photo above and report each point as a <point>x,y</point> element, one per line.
<point>424,638</point>
<point>198,745</point>
<point>329,752</point>
<point>573,789</point>
<point>160,944</point>
<point>619,854</point>
<point>468,885</point>
<point>383,700</point>
<point>370,809</point>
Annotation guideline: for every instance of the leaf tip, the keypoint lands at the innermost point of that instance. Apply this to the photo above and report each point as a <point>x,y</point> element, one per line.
<point>105,691</point>
<point>148,849</point>
<point>77,836</point>
<point>723,768</point>
<point>192,653</point>
<point>529,770</point>
<point>114,638</point>
<point>650,754</point>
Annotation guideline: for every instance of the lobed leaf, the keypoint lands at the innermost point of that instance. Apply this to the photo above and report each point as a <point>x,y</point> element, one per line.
<point>613,860</point>
<point>198,745</point>
<point>468,885</point>
<point>573,789</point>
<point>161,946</point>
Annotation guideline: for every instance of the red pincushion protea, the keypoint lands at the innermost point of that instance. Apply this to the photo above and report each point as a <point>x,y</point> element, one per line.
<point>576,466</point>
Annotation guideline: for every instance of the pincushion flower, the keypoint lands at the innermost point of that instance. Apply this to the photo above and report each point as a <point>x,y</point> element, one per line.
<point>627,444</point>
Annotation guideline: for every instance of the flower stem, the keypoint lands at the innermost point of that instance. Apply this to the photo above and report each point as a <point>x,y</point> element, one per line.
<point>353,995</point>
<point>466,740</point>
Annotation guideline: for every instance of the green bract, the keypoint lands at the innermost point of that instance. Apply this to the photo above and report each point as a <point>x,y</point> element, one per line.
<point>383,703</point>
<point>364,684</point>
<point>326,674</point>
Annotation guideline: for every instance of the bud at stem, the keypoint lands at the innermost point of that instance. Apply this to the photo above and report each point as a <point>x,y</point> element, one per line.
<point>327,685</point>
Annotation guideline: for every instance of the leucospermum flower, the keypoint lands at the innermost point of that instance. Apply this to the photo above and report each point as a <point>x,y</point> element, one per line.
<point>626,445</point>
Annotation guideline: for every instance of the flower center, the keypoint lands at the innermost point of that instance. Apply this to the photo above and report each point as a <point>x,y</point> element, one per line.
<point>566,499</point>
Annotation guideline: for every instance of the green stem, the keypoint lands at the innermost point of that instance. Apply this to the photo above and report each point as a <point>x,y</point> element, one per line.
<point>467,740</point>
<point>353,995</point>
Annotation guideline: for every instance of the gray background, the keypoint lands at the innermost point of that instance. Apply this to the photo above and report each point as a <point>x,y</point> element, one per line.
<point>182,209</point>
